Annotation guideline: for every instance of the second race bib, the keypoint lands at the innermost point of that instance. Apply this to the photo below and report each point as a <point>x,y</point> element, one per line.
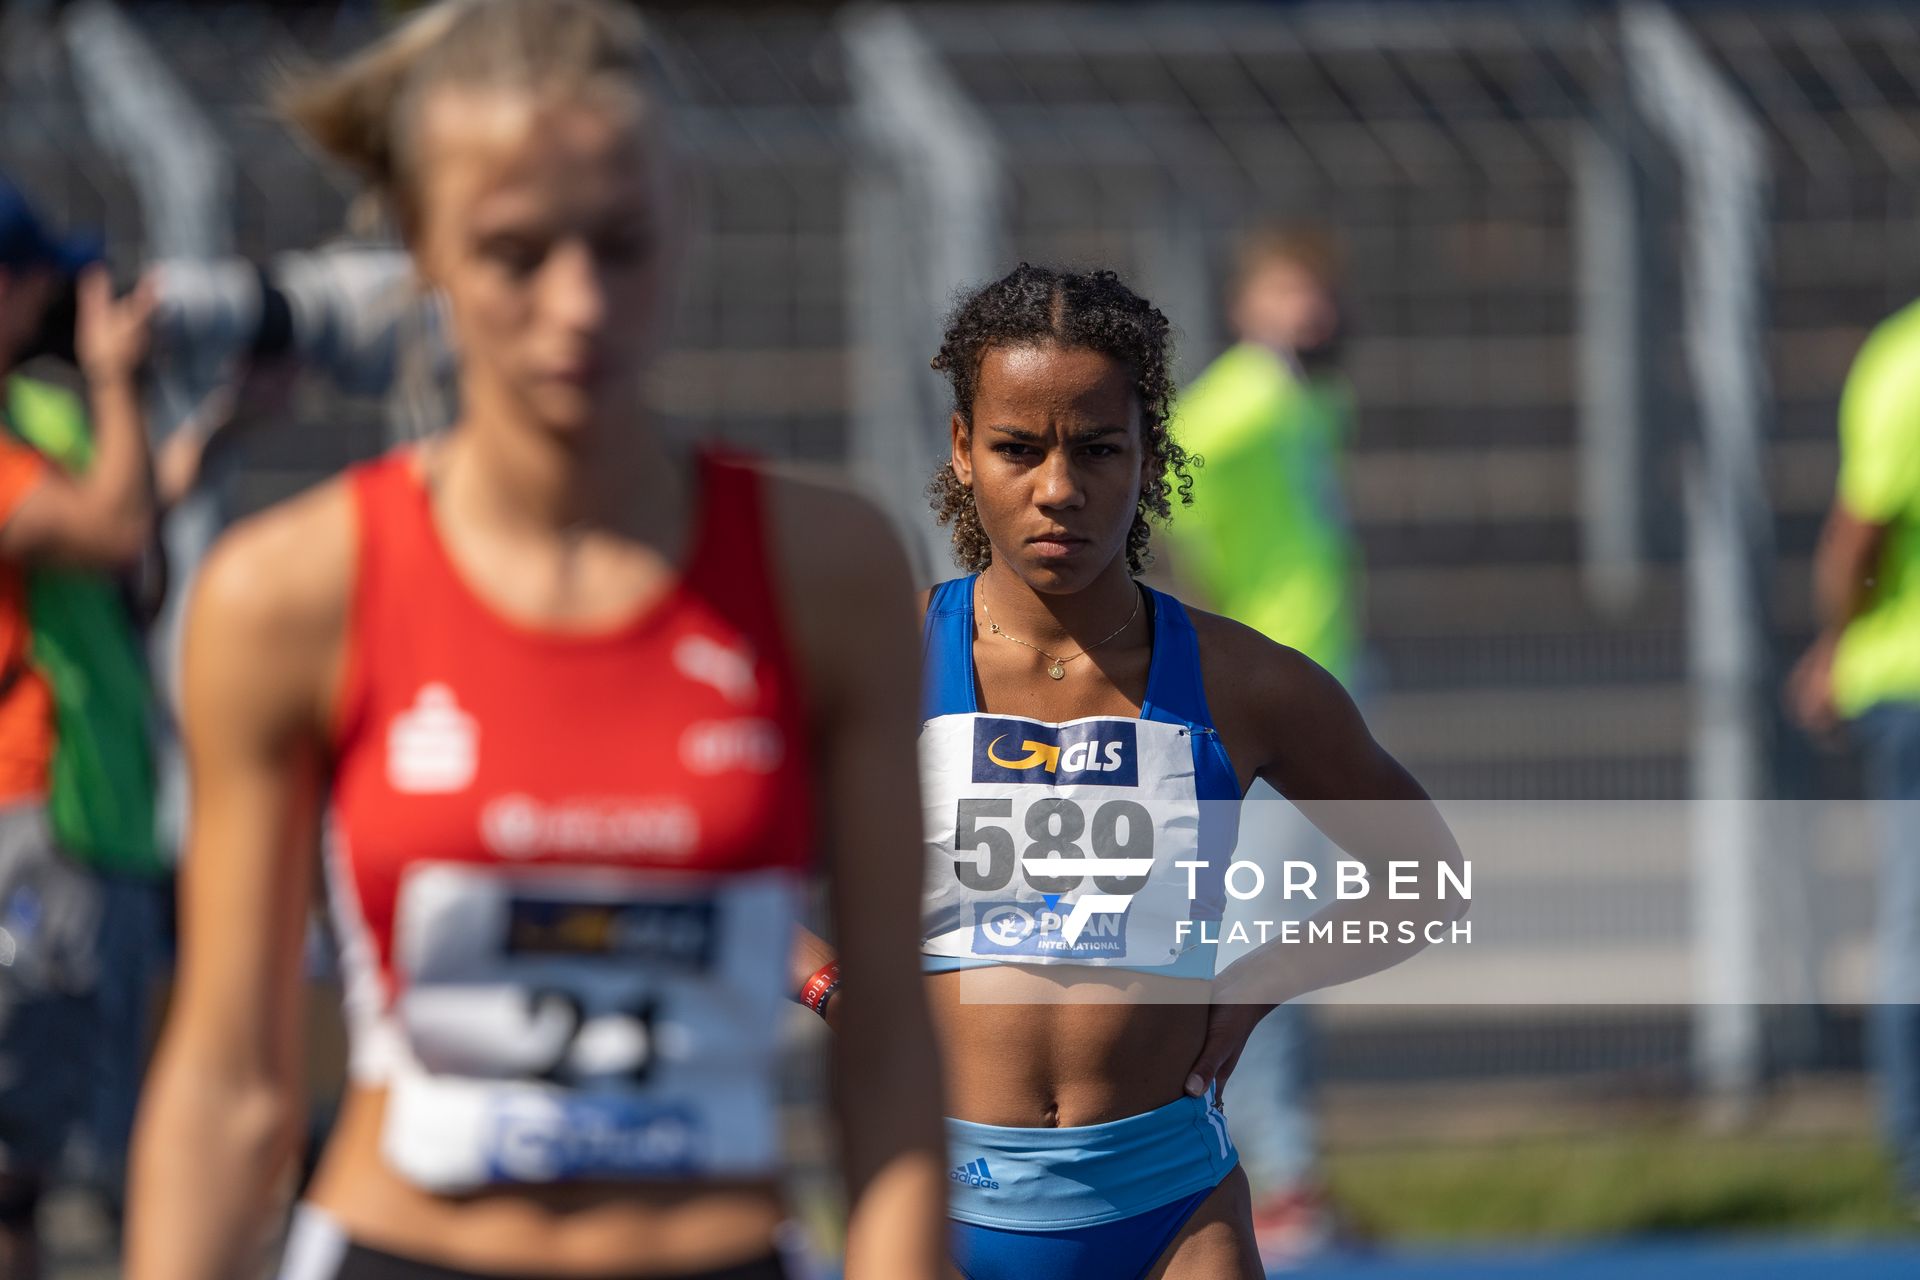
<point>586,1024</point>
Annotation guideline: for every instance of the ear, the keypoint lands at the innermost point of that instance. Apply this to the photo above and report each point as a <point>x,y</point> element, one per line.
<point>962,442</point>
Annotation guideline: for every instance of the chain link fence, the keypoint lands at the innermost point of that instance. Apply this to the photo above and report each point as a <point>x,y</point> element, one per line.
<point>850,168</point>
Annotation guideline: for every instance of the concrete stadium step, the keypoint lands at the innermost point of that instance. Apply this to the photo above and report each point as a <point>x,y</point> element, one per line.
<point>1664,777</point>
<point>1469,599</point>
<point>1604,656</point>
<point>1440,485</point>
<point>1497,722</point>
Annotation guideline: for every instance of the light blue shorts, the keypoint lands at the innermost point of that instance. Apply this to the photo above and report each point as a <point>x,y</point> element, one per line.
<point>1055,1179</point>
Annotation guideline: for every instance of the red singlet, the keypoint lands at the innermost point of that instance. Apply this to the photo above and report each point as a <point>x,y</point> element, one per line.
<point>675,741</point>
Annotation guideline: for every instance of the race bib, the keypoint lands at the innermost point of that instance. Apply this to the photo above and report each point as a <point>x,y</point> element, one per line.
<point>588,1024</point>
<point>1057,843</point>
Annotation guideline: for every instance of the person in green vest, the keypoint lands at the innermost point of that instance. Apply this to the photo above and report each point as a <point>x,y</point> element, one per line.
<point>69,833</point>
<point>1267,543</point>
<point>86,643</point>
<point>1864,669</point>
<point>100,795</point>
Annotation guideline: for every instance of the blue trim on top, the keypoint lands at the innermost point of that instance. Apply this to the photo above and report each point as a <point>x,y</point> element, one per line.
<point>1176,690</point>
<point>947,685</point>
<point>1176,694</point>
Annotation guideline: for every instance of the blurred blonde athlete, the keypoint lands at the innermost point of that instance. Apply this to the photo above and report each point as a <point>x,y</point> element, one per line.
<point>578,709</point>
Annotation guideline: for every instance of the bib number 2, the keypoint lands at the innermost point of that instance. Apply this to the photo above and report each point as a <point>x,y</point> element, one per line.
<point>615,1045</point>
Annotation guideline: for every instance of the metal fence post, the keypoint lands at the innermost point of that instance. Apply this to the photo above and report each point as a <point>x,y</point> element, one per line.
<point>926,220</point>
<point>1610,240</point>
<point>183,174</point>
<point>140,112</point>
<point>1723,158</point>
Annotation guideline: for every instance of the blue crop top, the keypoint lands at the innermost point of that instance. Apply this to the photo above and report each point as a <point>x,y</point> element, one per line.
<point>1023,816</point>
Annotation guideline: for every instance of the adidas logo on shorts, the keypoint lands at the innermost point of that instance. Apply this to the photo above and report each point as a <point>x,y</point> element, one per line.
<point>975,1174</point>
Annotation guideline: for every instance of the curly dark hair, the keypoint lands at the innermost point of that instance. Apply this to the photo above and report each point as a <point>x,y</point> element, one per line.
<point>1092,311</point>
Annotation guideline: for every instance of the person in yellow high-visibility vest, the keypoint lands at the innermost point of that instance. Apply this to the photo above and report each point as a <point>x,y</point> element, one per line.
<point>1267,543</point>
<point>1864,668</point>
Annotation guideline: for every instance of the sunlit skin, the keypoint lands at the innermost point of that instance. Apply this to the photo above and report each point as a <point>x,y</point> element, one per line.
<point>1055,458</point>
<point>546,223</point>
<point>546,227</point>
<point>1056,461</point>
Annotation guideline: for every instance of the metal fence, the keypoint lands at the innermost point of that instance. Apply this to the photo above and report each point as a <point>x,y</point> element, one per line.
<point>1539,346</point>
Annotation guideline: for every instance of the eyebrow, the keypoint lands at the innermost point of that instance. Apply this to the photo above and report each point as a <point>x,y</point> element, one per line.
<point>1079,437</point>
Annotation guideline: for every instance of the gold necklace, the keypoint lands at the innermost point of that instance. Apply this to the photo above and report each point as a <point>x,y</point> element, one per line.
<point>1059,668</point>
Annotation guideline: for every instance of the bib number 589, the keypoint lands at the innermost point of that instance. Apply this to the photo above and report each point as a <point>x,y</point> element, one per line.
<point>1054,827</point>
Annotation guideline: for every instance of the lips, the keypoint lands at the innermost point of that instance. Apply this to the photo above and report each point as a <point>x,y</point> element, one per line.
<point>1056,544</point>
<point>577,374</point>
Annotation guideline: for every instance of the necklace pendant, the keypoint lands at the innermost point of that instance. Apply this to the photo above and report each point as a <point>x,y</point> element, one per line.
<point>1057,671</point>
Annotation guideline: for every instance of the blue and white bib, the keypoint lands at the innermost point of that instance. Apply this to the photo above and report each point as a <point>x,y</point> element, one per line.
<point>1060,843</point>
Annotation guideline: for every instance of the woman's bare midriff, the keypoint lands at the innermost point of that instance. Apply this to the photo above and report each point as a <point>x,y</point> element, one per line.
<point>586,1230</point>
<point>1063,1047</point>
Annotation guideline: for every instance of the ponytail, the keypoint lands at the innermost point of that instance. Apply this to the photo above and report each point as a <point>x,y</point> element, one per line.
<point>362,112</point>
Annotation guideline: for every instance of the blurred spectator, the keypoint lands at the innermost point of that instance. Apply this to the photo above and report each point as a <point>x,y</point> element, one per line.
<point>232,337</point>
<point>1266,543</point>
<point>87,645</point>
<point>1864,667</point>
<point>355,314</point>
<point>53,526</point>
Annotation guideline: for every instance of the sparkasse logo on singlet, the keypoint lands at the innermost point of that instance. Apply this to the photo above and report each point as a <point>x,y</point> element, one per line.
<point>433,747</point>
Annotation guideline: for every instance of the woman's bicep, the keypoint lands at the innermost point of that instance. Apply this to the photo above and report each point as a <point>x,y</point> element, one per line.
<point>1321,755</point>
<point>248,689</point>
<point>870,788</point>
<point>1312,743</point>
<point>853,617</point>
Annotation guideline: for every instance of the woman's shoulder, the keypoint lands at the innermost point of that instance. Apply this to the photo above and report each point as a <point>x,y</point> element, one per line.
<point>288,568</point>
<point>1224,640</point>
<point>1247,673</point>
<point>844,580</point>
<point>824,527</point>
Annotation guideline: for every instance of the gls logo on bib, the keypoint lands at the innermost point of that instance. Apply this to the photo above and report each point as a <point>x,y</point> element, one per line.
<point>1101,753</point>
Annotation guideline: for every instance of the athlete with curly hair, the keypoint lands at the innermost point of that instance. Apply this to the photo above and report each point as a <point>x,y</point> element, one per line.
<point>1095,311</point>
<point>1076,722</point>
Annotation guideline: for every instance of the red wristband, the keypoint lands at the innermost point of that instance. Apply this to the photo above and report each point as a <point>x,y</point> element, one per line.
<point>824,982</point>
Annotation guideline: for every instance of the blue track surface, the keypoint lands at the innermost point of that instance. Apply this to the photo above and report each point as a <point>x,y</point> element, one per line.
<point>1678,1260</point>
<point>1759,1259</point>
<point>1744,1259</point>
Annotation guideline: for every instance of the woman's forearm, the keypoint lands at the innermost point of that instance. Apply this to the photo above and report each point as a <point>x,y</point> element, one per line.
<point>897,1227</point>
<point>1359,936</point>
<point>893,1145</point>
<point>119,476</point>
<point>206,1161</point>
